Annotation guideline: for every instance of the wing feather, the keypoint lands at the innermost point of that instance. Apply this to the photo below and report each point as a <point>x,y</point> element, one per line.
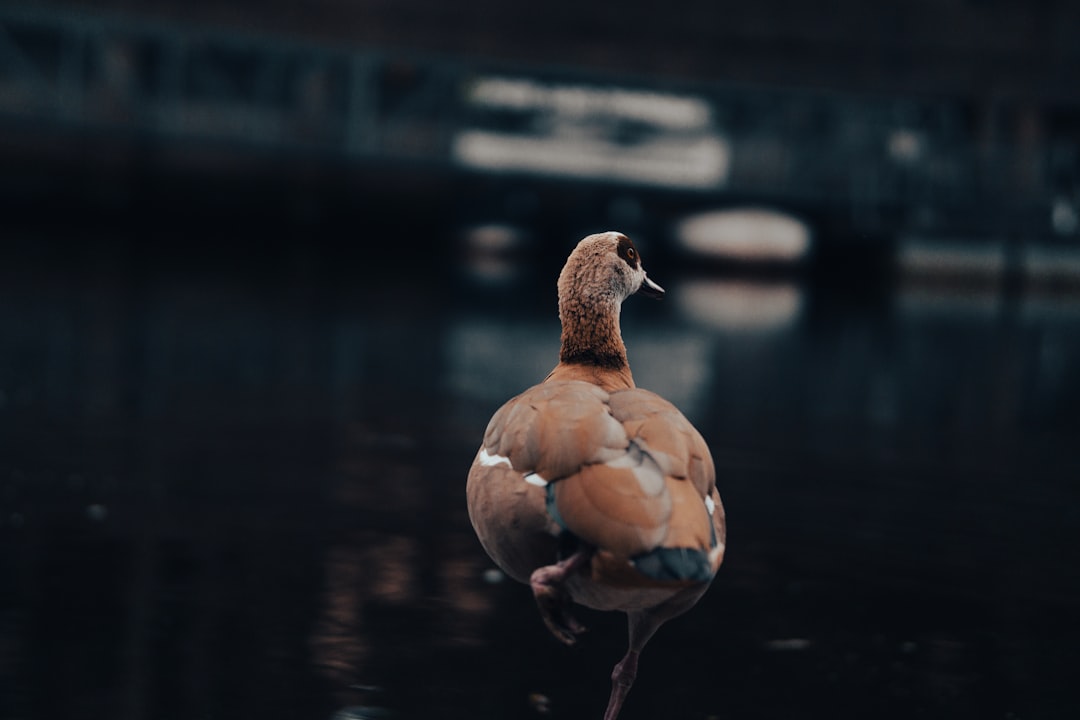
<point>630,473</point>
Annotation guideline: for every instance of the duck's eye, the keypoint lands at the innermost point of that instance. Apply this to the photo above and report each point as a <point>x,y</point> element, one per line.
<point>631,253</point>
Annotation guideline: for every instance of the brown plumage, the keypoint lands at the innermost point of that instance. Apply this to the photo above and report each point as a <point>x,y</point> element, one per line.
<point>590,489</point>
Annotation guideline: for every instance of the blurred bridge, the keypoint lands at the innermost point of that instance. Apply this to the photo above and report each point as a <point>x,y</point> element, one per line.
<point>869,165</point>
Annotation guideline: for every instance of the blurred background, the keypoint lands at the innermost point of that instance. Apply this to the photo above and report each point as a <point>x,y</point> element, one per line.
<point>267,269</point>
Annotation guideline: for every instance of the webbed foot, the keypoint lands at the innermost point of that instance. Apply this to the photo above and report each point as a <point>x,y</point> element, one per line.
<point>553,600</point>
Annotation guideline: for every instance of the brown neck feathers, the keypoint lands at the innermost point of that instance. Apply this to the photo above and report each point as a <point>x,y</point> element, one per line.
<point>591,335</point>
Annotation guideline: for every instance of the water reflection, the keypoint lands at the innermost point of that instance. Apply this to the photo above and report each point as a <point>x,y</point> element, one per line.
<point>741,305</point>
<point>240,494</point>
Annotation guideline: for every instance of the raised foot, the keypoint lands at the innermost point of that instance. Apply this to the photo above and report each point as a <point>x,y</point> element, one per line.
<point>553,600</point>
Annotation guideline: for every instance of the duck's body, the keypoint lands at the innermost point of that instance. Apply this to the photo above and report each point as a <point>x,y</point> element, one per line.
<point>590,489</point>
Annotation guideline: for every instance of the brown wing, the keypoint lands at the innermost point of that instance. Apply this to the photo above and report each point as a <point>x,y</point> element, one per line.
<point>555,429</point>
<point>547,433</point>
<point>651,496</point>
<point>623,471</point>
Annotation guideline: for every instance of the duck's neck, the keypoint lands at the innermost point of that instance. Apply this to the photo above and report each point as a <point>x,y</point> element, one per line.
<point>592,342</point>
<point>591,334</point>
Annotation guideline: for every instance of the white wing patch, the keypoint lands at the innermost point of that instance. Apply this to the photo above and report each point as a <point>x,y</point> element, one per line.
<point>710,504</point>
<point>716,552</point>
<point>534,479</point>
<point>489,460</point>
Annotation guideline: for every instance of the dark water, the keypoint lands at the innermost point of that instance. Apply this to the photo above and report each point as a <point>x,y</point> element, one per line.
<point>230,492</point>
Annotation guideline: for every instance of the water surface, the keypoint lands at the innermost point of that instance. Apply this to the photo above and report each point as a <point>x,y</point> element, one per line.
<point>235,488</point>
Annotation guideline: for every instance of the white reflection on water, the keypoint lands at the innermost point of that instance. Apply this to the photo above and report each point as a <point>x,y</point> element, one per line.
<point>747,234</point>
<point>491,253</point>
<point>740,305</point>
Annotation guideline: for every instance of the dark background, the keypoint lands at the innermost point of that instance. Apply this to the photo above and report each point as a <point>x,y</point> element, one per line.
<point>256,310</point>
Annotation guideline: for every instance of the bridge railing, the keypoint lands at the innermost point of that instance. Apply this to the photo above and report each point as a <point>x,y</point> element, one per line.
<point>103,72</point>
<point>173,82</point>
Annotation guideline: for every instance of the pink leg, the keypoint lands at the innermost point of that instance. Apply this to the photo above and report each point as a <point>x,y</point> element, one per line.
<point>622,677</point>
<point>643,625</point>
<point>553,600</point>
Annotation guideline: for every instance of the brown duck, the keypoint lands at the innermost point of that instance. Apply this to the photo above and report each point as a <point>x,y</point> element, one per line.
<point>592,490</point>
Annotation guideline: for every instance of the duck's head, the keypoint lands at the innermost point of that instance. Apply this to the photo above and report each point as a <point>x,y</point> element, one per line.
<point>605,266</point>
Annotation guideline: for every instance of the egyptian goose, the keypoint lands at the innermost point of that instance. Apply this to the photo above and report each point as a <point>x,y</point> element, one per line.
<point>590,489</point>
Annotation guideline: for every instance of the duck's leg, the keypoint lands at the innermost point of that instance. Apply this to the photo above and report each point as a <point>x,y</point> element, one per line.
<point>552,598</point>
<point>643,624</point>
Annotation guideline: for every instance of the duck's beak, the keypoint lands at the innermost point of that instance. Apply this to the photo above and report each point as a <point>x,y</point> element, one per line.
<point>650,289</point>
